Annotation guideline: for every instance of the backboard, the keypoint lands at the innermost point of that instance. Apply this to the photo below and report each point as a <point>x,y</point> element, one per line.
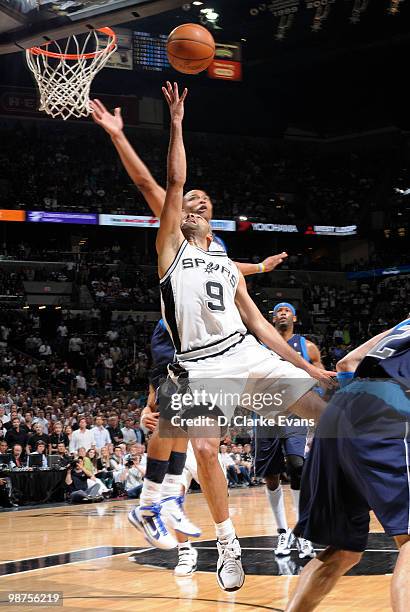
<point>26,23</point>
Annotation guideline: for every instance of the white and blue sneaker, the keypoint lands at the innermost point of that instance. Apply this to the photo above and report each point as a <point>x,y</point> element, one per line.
<point>148,520</point>
<point>173,509</point>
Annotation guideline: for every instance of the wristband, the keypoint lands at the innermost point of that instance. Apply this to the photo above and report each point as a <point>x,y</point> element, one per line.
<point>261,268</point>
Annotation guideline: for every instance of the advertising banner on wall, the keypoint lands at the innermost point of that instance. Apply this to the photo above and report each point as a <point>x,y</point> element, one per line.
<point>42,216</point>
<point>12,215</point>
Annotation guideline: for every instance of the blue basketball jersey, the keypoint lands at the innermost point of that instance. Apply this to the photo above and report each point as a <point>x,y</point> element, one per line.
<point>298,343</point>
<point>390,357</point>
<point>162,351</point>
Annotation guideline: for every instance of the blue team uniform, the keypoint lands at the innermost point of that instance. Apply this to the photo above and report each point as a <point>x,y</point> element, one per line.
<point>272,445</point>
<point>360,457</point>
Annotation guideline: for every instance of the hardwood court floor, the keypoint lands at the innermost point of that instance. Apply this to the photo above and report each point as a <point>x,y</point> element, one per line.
<point>101,577</point>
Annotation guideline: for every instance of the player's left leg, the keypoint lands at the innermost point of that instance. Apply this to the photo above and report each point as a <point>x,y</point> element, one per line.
<point>187,554</point>
<point>400,585</point>
<point>319,577</point>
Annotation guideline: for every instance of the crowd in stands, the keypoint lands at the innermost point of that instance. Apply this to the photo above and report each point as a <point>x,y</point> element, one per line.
<point>76,168</point>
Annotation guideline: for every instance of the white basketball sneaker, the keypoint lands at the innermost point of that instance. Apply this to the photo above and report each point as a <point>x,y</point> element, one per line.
<point>229,570</point>
<point>187,561</point>
<point>285,539</point>
<point>148,520</point>
<point>305,548</point>
<point>173,509</point>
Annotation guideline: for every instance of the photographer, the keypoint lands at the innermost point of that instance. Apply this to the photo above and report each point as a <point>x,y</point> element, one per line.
<point>132,475</point>
<point>76,481</point>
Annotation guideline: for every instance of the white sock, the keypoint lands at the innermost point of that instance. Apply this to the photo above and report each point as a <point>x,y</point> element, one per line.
<point>278,506</point>
<point>151,493</point>
<point>171,487</point>
<point>225,530</point>
<point>296,497</point>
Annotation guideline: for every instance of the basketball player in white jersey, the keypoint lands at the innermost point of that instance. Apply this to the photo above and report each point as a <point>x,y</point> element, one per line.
<point>207,311</point>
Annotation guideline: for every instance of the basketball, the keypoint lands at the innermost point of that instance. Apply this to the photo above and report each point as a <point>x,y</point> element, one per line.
<point>190,48</point>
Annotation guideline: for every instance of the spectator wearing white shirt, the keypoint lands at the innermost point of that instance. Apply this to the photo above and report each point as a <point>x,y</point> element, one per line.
<point>62,330</point>
<point>229,465</point>
<point>75,344</point>
<point>108,365</point>
<point>128,432</point>
<point>81,383</point>
<point>82,437</point>
<point>101,435</point>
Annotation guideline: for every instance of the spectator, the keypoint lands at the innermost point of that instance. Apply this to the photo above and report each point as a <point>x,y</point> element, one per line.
<point>77,483</point>
<point>100,433</point>
<point>131,476</point>
<point>40,418</point>
<point>15,435</point>
<point>63,455</point>
<point>81,383</point>
<point>229,466</point>
<point>128,432</point>
<point>41,450</point>
<point>114,430</point>
<point>17,457</point>
<point>56,437</point>
<point>117,459</point>
<point>82,437</point>
<point>36,436</point>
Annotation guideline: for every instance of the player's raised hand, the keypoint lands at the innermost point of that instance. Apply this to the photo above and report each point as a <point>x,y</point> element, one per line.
<point>175,101</point>
<point>111,122</point>
<point>270,263</point>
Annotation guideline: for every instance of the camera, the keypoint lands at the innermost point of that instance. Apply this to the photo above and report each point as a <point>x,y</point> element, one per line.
<point>129,463</point>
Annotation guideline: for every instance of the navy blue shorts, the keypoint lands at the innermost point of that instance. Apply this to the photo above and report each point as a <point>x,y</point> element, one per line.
<point>359,461</point>
<point>270,452</point>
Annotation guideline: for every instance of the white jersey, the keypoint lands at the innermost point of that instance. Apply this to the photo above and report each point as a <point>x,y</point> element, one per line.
<point>198,303</point>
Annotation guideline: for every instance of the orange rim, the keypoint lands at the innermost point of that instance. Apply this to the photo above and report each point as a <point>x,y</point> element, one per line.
<point>76,56</point>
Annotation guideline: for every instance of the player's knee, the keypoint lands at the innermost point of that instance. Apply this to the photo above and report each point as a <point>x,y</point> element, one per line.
<point>340,561</point>
<point>206,451</point>
<point>294,468</point>
<point>272,482</point>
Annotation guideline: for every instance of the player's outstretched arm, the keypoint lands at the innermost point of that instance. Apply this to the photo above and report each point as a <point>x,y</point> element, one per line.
<point>266,333</point>
<point>138,172</point>
<point>267,265</point>
<point>350,361</point>
<point>169,236</point>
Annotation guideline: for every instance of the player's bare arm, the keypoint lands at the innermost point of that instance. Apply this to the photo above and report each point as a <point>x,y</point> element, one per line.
<point>169,236</point>
<point>138,172</point>
<point>350,361</point>
<point>266,333</point>
<point>314,354</point>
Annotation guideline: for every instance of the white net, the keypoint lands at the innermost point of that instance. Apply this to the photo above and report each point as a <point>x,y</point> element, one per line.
<point>64,72</point>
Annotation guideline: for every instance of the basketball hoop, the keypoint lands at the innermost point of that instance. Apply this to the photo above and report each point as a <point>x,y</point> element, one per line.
<point>64,73</point>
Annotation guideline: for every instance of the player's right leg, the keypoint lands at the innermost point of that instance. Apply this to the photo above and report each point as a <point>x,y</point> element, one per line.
<point>400,585</point>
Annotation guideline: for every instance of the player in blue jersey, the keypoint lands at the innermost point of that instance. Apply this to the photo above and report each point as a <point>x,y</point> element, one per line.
<point>283,447</point>
<point>360,461</point>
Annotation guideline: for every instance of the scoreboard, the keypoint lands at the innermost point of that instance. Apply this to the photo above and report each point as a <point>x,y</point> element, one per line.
<point>150,52</point>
